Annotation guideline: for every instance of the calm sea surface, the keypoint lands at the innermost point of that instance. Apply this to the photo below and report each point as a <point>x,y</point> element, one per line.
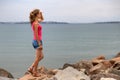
<point>63,43</point>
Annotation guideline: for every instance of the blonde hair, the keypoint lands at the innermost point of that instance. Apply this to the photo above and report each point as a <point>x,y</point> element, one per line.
<point>33,15</point>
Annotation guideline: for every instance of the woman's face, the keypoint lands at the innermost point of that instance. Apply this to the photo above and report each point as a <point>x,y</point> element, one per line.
<point>39,15</point>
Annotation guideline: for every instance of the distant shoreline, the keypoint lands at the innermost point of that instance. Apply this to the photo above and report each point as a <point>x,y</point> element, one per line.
<point>53,22</point>
<point>107,22</point>
<point>50,22</point>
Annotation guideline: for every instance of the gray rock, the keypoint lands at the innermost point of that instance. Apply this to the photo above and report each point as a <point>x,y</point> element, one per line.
<point>70,74</point>
<point>5,73</point>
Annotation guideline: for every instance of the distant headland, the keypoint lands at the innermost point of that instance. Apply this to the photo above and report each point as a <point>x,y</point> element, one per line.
<point>107,22</point>
<point>55,22</point>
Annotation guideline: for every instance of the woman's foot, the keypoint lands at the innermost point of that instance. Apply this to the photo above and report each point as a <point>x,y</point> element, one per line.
<point>36,74</point>
<point>30,70</point>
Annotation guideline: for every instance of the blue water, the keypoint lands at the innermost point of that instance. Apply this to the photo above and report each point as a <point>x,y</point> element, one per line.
<point>63,43</point>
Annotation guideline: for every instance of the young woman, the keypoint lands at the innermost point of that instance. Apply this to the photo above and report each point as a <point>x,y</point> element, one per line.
<point>35,18</point>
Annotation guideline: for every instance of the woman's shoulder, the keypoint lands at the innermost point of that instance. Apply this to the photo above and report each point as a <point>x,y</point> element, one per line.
<point>35,24</point>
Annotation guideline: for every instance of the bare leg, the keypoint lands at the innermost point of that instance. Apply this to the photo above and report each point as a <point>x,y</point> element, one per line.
<point>39,56</point>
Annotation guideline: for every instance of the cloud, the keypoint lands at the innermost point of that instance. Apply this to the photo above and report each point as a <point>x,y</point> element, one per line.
<point>62,10</point>
<point>89,10</point>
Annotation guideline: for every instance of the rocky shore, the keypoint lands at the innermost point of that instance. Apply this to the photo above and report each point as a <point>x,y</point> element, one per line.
<point>98,68</point>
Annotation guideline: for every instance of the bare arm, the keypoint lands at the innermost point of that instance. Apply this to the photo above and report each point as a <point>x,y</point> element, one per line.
<point>42,18</point>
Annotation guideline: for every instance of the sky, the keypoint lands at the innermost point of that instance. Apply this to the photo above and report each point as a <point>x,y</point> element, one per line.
<point>74,11</point>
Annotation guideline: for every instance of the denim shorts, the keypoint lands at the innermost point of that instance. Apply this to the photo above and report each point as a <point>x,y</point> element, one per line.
<point>35,44</point>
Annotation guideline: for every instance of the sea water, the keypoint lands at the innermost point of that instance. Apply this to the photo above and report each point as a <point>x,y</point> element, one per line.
<point>62,43</point>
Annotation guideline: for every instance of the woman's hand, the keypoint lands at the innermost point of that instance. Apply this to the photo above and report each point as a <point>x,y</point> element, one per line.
<point>39,43</point>
<point>42,16</point>
<point>40,46</point>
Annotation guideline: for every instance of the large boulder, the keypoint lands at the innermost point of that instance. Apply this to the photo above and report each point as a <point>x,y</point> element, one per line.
<point>70,74</point>
<point>5,73</point>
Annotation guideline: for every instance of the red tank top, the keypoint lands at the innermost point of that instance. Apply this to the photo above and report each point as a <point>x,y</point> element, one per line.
<point>39,32</point>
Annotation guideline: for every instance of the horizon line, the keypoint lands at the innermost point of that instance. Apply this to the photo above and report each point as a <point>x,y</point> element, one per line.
<point>60,22</point>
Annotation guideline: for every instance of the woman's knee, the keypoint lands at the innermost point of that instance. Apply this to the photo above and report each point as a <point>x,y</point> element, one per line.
<point>40,57</point>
